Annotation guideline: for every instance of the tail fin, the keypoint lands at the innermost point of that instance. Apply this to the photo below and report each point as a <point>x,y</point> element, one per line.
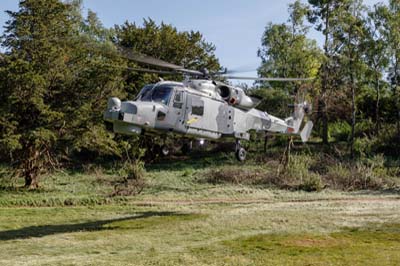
<point>298,116</point>
<point>306,132</point>
<point>300,111</point>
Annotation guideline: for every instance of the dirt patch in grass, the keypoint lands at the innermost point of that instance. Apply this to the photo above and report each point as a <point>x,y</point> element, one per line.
<point>309,242</point>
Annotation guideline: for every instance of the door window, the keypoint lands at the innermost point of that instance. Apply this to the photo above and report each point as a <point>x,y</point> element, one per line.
<point>197,106</point>
<point>178,100</point>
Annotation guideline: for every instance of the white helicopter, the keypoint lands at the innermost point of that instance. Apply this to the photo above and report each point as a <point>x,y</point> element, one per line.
<point>200,108</point>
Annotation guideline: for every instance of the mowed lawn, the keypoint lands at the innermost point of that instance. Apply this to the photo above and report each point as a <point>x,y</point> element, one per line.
<point>357,231</point>
<point>179,219</point>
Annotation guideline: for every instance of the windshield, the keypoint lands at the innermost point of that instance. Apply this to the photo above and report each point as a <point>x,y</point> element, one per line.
<point>160,94</point>
<point>144,93</point>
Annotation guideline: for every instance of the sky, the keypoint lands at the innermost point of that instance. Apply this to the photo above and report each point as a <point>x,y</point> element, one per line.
<point>235,27</point>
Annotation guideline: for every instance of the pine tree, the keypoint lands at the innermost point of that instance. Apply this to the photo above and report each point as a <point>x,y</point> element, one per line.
<point>36,64</point>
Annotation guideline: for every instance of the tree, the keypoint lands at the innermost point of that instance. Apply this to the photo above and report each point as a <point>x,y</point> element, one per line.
<point>165,42</point>
<point>325,15</point>
<point>36,64</point>
<point>97,73</point>
<point>350,32</point>
<point>54,86</point>
<point>286,51</point>
<point>391,24</point>
<point>376,54</point>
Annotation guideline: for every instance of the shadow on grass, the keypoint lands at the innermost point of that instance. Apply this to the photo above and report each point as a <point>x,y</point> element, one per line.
<point>46,230</point>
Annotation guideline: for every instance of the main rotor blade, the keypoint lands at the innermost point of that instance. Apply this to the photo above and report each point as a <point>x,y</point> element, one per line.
<point>242,69</point>
<point>145,70</point>
<point>268,79</point>
<point>137,57</point>
<point>141,58</point>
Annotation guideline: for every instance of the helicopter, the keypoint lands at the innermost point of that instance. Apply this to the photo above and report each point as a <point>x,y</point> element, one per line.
<point>200,108</point>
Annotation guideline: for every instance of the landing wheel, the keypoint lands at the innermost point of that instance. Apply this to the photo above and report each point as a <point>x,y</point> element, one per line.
<point>164,150</point>
<point>241,154</point>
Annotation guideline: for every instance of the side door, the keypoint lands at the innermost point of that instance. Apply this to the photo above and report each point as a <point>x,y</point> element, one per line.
<point>177,111</point>
<point>202,113</point>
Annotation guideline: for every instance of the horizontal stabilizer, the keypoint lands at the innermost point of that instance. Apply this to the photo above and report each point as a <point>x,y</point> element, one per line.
<point>306,132</point>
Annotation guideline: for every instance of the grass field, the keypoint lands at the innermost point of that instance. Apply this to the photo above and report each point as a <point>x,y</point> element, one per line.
<point>179,219</point>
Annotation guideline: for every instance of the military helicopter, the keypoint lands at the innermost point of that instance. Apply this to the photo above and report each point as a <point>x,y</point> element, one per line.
<point>200,108</point>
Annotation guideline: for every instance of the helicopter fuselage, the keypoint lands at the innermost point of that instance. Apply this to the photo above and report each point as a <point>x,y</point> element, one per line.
<point>198,109</point>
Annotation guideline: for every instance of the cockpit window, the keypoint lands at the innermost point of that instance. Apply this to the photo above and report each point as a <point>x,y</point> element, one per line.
<point>145,93</point>
<point>160,94</point>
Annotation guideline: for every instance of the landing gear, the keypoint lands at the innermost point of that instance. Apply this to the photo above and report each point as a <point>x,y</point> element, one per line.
<point>240,152</point>
<point>164,150</point>
<point>187,147</point>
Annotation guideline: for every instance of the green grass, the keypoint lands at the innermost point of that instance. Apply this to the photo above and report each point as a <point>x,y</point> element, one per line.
<point>182,178</point>
<point>297,233</point>
<point>378,245</point>
<point>179,219</point>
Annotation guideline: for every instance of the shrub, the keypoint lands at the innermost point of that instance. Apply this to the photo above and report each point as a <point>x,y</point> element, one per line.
<point>297,175</point>
<point>133,181</point>
<point>340,131</point>
<point>368,174</point>
<point>363,147</point>
<point>312,183</point>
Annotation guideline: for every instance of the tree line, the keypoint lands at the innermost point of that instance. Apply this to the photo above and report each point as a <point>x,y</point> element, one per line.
<point>357,71</point>
<point>58,70</point>
<point>59,67</point>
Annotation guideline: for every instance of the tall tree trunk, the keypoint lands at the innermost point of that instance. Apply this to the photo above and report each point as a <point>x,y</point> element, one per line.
<point>322,103</point>
<point>31,181</point>
<point>398,112</point>
<point>353,117</point>
<point>378,96</point>
<point>324,118</point>
<point>396,95</point>
<point>265,142</point>
<point>31,168</point>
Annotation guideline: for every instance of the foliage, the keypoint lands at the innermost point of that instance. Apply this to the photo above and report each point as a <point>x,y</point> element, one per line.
<point>35,70</point>
<point>370,175</point>
<point>274,101</point>
<point>286,51</point>
<point>59,68</point>
<point>340,131</point>
<point>57,73</point>
<point>188,49</point>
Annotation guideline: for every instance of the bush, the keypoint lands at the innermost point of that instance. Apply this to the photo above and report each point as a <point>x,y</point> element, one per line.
<point>297,175</point>
<point>363,147</point>
<point>369,174</point>
<point>340,131</point>
<point>312,183</point>
<point>133,181</point>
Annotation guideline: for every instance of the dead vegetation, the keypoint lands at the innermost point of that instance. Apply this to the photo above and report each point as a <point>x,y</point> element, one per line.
<point>312,173</point>
<point>132,182</point>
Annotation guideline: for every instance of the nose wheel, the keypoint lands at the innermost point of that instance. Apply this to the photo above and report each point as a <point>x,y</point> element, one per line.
<point>164,150</point>
<point>240,152</point>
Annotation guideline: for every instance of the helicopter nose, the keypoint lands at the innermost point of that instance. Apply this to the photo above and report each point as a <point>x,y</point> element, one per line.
<point>128,107</point>
<point>128,111</point>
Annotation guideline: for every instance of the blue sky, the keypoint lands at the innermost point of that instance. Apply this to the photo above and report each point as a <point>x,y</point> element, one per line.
<point>235,27</point>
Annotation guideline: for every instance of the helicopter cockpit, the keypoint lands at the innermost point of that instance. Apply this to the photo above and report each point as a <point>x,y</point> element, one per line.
<point>156,93</point>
